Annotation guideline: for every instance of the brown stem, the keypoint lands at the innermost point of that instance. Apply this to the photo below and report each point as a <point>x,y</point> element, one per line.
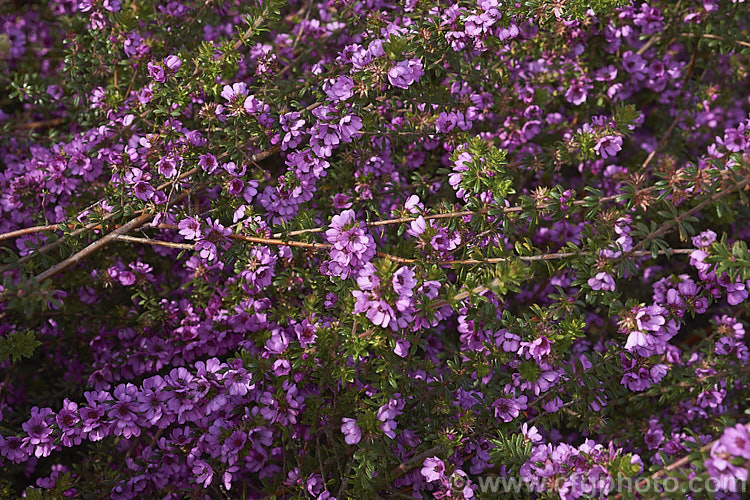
<point>716,37</point>
<point>28,230</point>
<point>454,215</point>
<point>41,124</point>
<point>93,247</point>
<point>149,241</point>
<point>414,462</point>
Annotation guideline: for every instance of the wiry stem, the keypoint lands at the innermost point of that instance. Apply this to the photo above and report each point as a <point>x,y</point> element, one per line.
<point>395,258</point>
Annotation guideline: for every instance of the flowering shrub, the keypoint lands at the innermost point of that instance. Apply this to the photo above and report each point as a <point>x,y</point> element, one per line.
<point>373,249</point>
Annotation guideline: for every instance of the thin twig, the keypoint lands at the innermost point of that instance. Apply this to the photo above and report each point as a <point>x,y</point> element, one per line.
<point>395,258</point>
<point>414,462</point>
<point>454,215</point>
<point>161,243</point>
<point>716,37</point>
<point>41,124</point>
<point>28,230</point>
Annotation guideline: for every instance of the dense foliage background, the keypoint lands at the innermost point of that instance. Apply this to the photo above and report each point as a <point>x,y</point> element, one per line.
<point>362,249</point>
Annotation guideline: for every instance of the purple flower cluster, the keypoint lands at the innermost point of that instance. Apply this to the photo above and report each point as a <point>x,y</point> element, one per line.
<point>583,470</point>
<point>352,247</point>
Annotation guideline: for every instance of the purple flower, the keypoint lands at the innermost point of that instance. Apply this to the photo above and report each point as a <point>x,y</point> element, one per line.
<point>124,412</point>
<point>172,63</point>
<point>156,71</point>
<point>402,348</point>
<point>238,382</point>
<point>190,228</point>
<point>381,313</point>
<point>602,281</point>
<point>112,5</point>
<point>66,419</point>
<point>168,166</point>
<point>433,469</point>
<point>253,105</point>
<point>734,140</point>
<point>208,163</point>
<point>653,438</point>
<point>538,348</point>
<point>204,472</point>
<point>281,367</point>
<point>404,281</point>
<point>388,413</point>
<point>278,342</point>
<point>577,93</point>
<point>39,432</point>
<point>633,63</point>
<point>339,89</point>
<point>608,146</point>
<point>233,445</point>
<point>234,92</point>
<point>152,401</point>
<point>404,73</point>
<point>737,441</point>
<point>507,409</point>
<point>350,429</point>
<point>650,318</point>
<point>721,468</point>
<point>705,239</point>
<point>349,127</point>
<point>215,237</point>
<point>11,447</point>
<point>305,332</point>
<point>697,259</point>
<point>638,339</point>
